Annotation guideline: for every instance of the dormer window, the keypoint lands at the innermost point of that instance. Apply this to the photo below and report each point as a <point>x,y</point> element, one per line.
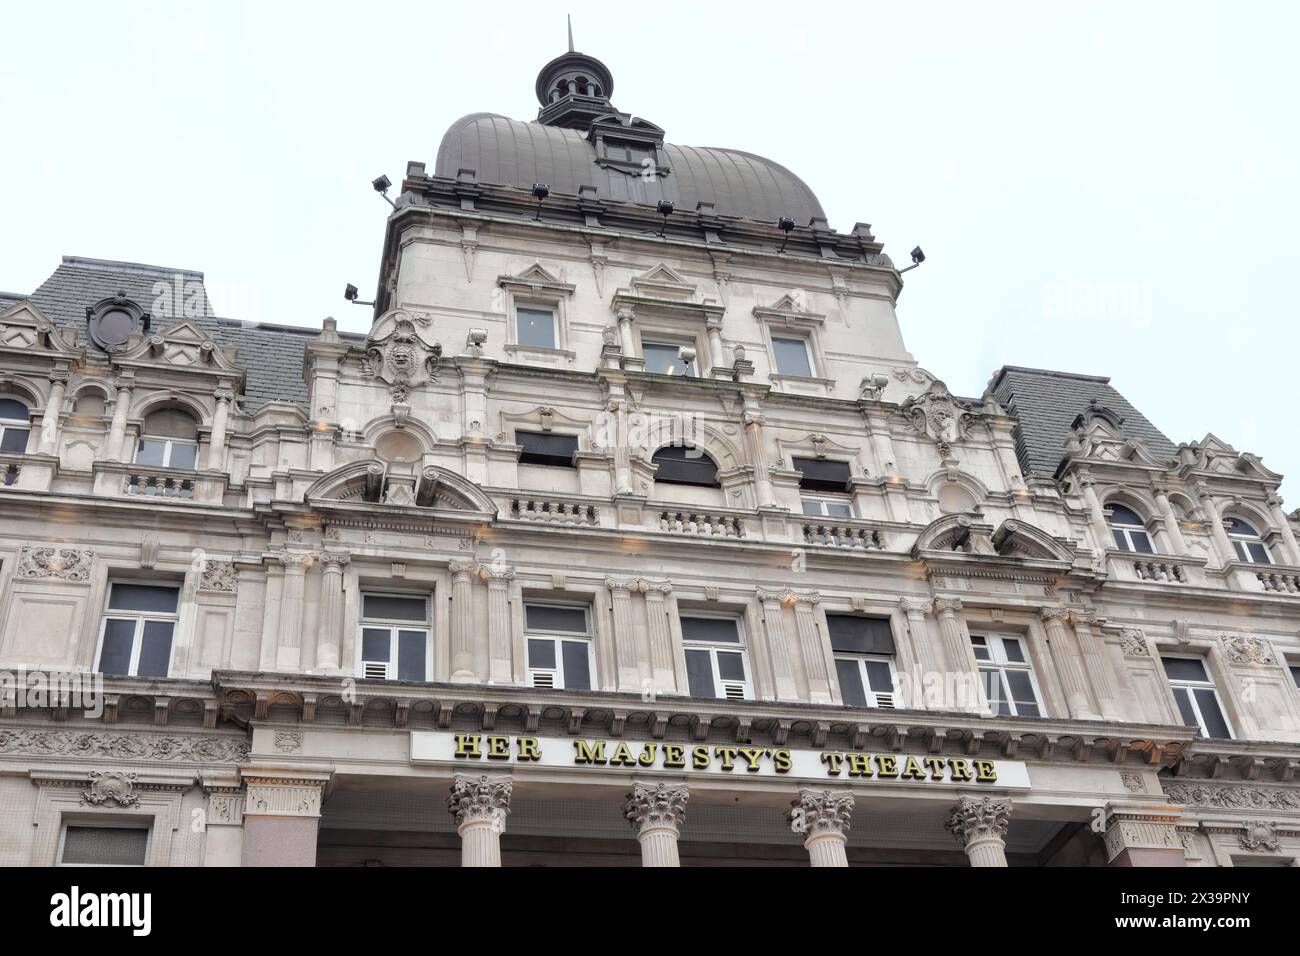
<point>1246,541</point>
<point>634,153</point>
<point>1129,530</point>
<point>170,439</point>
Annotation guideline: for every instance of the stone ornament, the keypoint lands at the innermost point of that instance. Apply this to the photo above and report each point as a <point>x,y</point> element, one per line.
<point>63,564</point>
<point>400,356</point>
<point>1133,782</point>
<point>479,799</point>
<point>816,812</point>
<point>938,416</point>
<point>177,747</point>
<point>651,806</point>
<point>219,576</point>
<point>1260,837</point>
<point>1243,649</point>
<point>111,786</point>
<point>279,797</point>
<point>288,741</point>
<point>979,818</point>
<point>1133,643</point>
<point>1229,797</point>
<point>1136,831</point>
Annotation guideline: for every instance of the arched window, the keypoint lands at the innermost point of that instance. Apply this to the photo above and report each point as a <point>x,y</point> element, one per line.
<point>682,465</point>
<point>1247,542</point>
<point>1129,530</point>
<point>15,425</point>
<point>169,439</point>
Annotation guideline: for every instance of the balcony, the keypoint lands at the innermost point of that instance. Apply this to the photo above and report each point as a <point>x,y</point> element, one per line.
<point>555,511</point>
<point>1156,568</point>
<point>701,524</point>
<point>857,536</point>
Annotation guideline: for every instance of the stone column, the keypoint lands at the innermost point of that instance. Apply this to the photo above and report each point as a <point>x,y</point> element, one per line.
<point>622,454</point>
<point>1100,526</point>
<point>822,819</point>
<point>113,449</point>
<point>500,658</point>
<point>717,358</point>
<point>627,338</point>
<point>281,817</point>
<point>980,826</point>
<point>811,647</point>
<point>958,651</point>
<point>1094,662</point>
<point>330,642</point>
<point>1212,515</point>
<point>929,682</point>
<point>656,812</point>
<point>661,638</point>
<point>1280,519</point>
<point>217,441</point>
<point>1068,665</point>
<point>480,805</point>
<point>778,649</point>
<point>758,459</point>
<point>289,648</point>
<point>462,620</point>
<point>49,444</point>
<point>625,655</point>
<point>1143,835</point>
<point>1172,531</point>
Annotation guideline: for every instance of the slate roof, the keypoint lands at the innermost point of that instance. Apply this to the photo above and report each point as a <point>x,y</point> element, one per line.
<point>1045,404</point>
<point>270,354</point>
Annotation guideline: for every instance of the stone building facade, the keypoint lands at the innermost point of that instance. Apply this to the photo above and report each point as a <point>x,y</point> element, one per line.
<point>630,534</point>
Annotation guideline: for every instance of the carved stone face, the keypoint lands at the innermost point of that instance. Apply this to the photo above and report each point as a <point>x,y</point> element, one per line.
<point>402,359</point>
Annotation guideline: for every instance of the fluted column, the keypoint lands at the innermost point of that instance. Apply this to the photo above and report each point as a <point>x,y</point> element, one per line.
<point>289,649</point>
<point>217,442</point>
<point>1215,518</point>
<point>661,638</point>
<point>462,620</point>
<point>1172,531</point>
<point>52,418</point>
<point>1280,519</point>
<point>1094,662</point>
<point>1068,665</point>
<point>754,444</point>
<point>928,685</point>
<point>627,338</point>
<point>1100,526</point>
<point>330,642</point>
<point>480,805</point>
<point>113,449</point>
<point>811,646</point>
<point>778,648</point>
<point>622,458</point>
<point>501,663</point>
<point>822,818</point>
<point>656,812</point>
<point>959,654</point>
<point>980,826</point>
<point>625,655</point>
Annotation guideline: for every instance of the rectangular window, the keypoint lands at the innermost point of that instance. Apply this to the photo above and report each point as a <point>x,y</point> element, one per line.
<point>1252,552</point>
<point>394,639</point>
<point>626,153</point>
<point>13,439</point>
<point>136,637</point>
<point>828,507</point>
<point>792,356</point>
<point>1007,675</point>
<point>715,658</point>
<point>662,359</point>
<point>543,448</point>
<point>97,845</point>
<point>535,327</point>
<point>1196,696</point>
<point>864,659</point>
<point>1295,674</point>
<point>167,453</point>
<point>558,640</point>
<point>819,474</point>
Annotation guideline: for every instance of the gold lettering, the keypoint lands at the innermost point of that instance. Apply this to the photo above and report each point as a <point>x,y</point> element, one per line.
<point>467,745</point>
<point>589,753</point>
<point>622,756</point>
<point>960,769</point>
<point>529,748</point>
<point>498,748</point>
<point>984,771</point>
<point>700,758</point>
<point>832,761</point>
<point>936,765</point>
<point>674,755</point>
<point>782,760</point>
<point>887,765</point>
<point>727,755</point>
<point>859,764</point>
<point>912,770</point>
<point>752,756</point>
<point>647,758</point>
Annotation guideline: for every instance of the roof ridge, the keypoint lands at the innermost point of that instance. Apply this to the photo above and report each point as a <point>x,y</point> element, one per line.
<point>116,265</point>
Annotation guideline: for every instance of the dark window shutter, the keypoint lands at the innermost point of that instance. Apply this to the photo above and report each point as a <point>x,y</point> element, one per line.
<point>685,466</point>
<point>851,634</point>
<point>818,474</point>
<point>542,448</point>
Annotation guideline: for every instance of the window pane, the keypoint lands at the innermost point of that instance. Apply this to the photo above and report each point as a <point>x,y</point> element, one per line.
<point>14,440</point>
<point>1022,689</point>
<point>731,666</point>
<point>1027,709</point>
<point>386,607</point>
<point>183,456</point>
<point>105,846</point>
<point>812,506</point>
<point>791,356</point>
<point>1183,696</point>
<point>1012,649</point>
<point>536,327</point>
<point>1141,542</point>
<point>699,673</point>
<point>993,691</point>
<point>850,675</point>
<point>115,656</point>
<point>1216,725</point>
<point>150,452</point>
<point>979,647</point>
<point>1295,674</point>
<point>1185,668</point>
<point>155,649</point>
<point>13,410</point>
<point>1237,526</point>
<point>879,677</point>
<point>1122,515</point>
<point>679,465</point>
<point>1258,553</point>
<point>376,644</point>
<point>541,654</point>
<point>716,629</point>
<point>839,509</point>
<point>851,634</point>
<point>661,358</point>
<point>410,655</point>
<point>143,597</point>
<point>543,617</point>
<point>1121,541</point>
<point>577,665</point>
<point>818,474</point>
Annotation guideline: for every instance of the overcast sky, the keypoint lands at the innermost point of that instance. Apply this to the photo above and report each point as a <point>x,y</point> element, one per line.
<point>1102,188</point>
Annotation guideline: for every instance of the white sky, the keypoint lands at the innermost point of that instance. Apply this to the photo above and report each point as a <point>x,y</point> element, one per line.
<point>1107,188</point>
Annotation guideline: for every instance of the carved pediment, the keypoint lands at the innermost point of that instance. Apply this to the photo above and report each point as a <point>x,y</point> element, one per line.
<point>963,533</point>
<point>536,279</point>
<point>24,327</point>
<point>662,281</point>
<point>376,484</point>
<point>183,346</point>
<point>790,310</point>
<point>1216,456</point>
<point>1016,539</point>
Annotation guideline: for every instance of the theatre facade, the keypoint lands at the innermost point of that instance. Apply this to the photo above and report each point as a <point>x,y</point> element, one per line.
<point>630,533</point>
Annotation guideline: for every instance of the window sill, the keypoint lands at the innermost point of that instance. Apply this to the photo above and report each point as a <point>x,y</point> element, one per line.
<point>536,350</point>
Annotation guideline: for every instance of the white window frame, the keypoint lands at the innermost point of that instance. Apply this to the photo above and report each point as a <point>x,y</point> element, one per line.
<point>668,341</point>
<point>168,445</point>
<point>1188,686</point>
<point>875,699</point>
<point>551,307</point>
<point>723,689</point>
<point>1240,541</point>
<point>552,678</point>
<point>806,342</point>
<point>822,500</point>
<point>998,661</point>
<point>103,825</point>
<point>140,618</point>
<point>394,626</point>
<point>1126,530</point>
<point>8,423</point>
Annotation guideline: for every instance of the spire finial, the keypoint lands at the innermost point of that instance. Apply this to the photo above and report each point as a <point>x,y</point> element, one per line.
<point>569,17</point>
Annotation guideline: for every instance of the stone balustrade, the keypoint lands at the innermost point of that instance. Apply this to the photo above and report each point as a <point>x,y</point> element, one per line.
<point>701,524</point>
<point>554,511</point>
<point>158,484</point>
<point>844,535</point>
<point>1154,569</point>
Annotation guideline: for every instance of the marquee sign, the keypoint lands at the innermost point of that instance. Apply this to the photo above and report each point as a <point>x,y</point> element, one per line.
<point>482,751</point>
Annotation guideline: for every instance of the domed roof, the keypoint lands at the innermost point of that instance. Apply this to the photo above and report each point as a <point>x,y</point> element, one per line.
<point>515,153</point>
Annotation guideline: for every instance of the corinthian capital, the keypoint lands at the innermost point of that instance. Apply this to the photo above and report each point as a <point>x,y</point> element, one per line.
<point>915,605</point>
<point>944,606</point>
<point>979,818</point>
<point>820,811</point>
<point>479,799</point>
<point>335,560</point>
<point>458,568</point>
<point>1049,614</point>
<point>651,806</point>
